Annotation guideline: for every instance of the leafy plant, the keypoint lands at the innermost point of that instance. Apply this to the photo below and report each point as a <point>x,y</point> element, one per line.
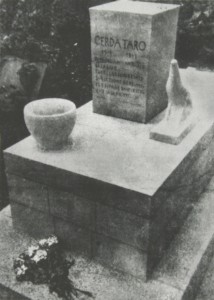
<point>11,99</point>
<point>52,32</point>
<point>195,38</point>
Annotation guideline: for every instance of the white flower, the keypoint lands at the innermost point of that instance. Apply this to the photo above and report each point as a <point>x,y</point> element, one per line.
<point>75,44</point>
<point>24,268</point>
<point>48,242</point>
<point>40,254</point>
<point>43,242</point>
<point>52,240</point>
<point>21,270</point>
<point>21,260</point>
<point>32,250</point>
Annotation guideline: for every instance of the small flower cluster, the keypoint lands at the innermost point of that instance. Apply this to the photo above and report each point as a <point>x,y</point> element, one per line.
<point>33,264</point>
<point>44,263</point>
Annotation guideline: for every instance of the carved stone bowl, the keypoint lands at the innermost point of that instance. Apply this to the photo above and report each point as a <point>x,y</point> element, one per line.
<point>50,121</point>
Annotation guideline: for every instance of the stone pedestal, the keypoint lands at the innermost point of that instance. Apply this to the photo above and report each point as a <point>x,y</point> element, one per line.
<point>178,276</point>
<point>132,44</point>
<point>114,194</point>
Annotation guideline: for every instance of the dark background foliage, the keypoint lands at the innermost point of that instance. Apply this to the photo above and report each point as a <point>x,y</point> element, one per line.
<point>50,31</point>
<point>195,38</point>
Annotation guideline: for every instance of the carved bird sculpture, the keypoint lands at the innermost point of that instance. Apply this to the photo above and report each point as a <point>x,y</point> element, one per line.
<point>179,100</point>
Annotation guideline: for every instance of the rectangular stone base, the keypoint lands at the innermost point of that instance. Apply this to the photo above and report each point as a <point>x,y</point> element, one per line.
<point>165,134</point>
<point>114,194</point>
<point>178,276</point>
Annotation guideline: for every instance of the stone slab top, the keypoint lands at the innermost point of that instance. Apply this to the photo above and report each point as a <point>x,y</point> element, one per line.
<point>136,7</point>
<point>119,152</point>
<point>181,263</point>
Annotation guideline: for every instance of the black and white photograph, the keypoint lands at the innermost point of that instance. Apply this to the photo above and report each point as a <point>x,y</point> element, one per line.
<point>106,150</point>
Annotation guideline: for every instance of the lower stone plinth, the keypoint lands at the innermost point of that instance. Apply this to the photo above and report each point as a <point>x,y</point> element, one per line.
<point>114,194</point>
<point>178,276</point>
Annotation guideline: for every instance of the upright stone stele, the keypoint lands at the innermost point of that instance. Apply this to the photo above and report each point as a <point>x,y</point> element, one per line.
<point>179,117</point>
<point>132,45</point>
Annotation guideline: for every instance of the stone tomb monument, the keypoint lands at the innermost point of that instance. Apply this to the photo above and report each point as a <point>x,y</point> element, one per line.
<point>132,45</point>
<point>114,194</point>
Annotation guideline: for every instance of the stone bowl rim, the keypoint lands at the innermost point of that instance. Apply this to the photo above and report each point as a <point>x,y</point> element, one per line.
<point>28,110</point>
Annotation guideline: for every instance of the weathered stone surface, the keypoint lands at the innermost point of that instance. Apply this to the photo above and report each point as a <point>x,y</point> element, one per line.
<point>206,290</point>
<point>33,222</point>
<point>122,226</point>
<point>130,57</point>
<point>58,201</point>
<point>75,183</point>
<point>156,244</point>
<point>178,200</point>
<point>72,208</point>
<point>161,49</point>
<point>189,254</point>
<point>75,238</point>
<point>120,256</point>
<point>9,71</point>
<point>3,185</point>
<point>7,294</point>
<point>28,192</point>
<point>186,259</point>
